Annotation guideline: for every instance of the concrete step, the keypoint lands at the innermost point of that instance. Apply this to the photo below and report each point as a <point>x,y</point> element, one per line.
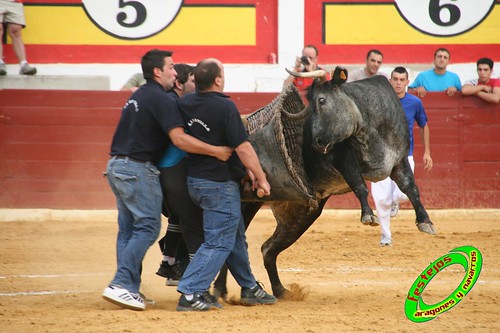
<point>55,82</point>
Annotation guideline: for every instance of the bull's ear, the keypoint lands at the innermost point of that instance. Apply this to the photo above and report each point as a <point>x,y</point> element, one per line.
<point>339,75</point>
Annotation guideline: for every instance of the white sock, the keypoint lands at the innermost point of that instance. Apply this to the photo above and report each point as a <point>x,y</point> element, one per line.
<point>1,61</point>
<point>189,297</point>
<point>22,63</point>
<point>170,260</point>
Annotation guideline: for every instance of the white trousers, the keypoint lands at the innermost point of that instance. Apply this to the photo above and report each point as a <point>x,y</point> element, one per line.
<point>384,193</point>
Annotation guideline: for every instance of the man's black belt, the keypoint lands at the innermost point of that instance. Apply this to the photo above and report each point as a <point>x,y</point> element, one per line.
<point>123,157</point>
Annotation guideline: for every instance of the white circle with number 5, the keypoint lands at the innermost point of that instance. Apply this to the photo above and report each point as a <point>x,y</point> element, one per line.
<point>132,19</point>
<point>444,17</point>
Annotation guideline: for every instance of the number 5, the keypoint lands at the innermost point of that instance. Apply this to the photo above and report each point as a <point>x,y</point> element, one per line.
<point>140,17</point>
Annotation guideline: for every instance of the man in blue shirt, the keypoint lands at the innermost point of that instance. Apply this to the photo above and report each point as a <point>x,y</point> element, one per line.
<point>386,193</point>
<point>438,78</point>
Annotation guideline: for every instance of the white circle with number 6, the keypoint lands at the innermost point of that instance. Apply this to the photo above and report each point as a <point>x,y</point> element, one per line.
<point>444,17</point>
<point>132,19</point>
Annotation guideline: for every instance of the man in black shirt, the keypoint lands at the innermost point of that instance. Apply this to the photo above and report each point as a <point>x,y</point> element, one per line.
<point>215,186</point>
<point>150,120</point>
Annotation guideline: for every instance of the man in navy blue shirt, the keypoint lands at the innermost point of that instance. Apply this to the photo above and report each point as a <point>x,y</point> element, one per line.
<point>215,186</point>
<point>150,120</point>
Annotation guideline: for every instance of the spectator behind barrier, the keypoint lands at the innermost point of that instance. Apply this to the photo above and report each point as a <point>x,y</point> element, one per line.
<point>308,62</point>
<point>134,82</point>
<point>484,87</point>
<point>374,59</point>
<point>438,78</point>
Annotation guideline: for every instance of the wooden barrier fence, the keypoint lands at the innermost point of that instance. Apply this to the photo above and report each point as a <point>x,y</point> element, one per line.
<point>54,146</point>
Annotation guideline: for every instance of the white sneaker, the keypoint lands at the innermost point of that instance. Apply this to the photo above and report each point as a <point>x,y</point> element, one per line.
<point>147,301</point>
<point>124,298</point>
<point>26,69</point>
<point>394,209</point>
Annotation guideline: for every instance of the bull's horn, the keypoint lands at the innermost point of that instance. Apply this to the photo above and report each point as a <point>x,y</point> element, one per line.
<point>321,74</point>
<point>296,116</point>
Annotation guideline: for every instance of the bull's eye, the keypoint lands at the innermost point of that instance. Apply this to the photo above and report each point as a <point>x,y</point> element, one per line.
<point>321,101</point>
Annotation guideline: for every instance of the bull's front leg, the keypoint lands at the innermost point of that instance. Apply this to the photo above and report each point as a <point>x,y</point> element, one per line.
<point>293,219</point>
<point>346,162</point>
<point>404,178</point>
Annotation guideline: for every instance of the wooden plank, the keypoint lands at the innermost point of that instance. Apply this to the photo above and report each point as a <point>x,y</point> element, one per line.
<point>481,117</point>
<point>481,177</point>
<point>476,103</point>
<point>53,152</point>
<point>55,170</point>
<point>481,152</point>
<point>63,98</point>
<point>439,100</point>
<point>55,134</point>
<point>480,199</point>
<point>251,102</point>
<point>59,200</point>
<point>45,116</point>
<point>482,169</point>
<point>442,119</point>
<point>60,151</point>
<point>483,134</point>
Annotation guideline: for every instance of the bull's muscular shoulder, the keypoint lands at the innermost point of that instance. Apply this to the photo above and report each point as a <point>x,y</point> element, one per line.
<point>374,89</point>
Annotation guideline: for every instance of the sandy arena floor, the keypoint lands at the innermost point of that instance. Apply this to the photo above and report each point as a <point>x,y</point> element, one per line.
<point>54,266</point>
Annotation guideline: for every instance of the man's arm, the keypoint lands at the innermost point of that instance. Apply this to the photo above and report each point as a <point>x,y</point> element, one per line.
<point>493,97</point>
<point>425,134</point>
<point>191,144</point>
<point>451,91</point>
<point>419,91</point>
<point>250,160</point>
<point>416,87</point>
<point>470,89</point>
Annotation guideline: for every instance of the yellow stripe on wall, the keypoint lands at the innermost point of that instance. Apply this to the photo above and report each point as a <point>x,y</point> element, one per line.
<point>198,26</point>
<point>369,24</point>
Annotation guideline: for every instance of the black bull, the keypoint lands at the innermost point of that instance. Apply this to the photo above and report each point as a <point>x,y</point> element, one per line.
<point>351,133</point>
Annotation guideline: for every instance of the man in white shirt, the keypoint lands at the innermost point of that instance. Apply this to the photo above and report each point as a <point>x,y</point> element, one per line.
<point>374,59</point>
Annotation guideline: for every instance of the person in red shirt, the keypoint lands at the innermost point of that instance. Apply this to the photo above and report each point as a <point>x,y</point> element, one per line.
<point>484,87</point>
<point>12,16</point>
<point>307,63</point>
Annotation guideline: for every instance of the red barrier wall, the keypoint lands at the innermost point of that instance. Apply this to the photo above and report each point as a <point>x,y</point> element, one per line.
<point>54,147</point>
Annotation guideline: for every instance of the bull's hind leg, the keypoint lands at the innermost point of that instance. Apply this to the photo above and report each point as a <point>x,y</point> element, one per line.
<point>248,209</point>
<point>293,219</point>
<point>404,178</point>
<point>346,162</point>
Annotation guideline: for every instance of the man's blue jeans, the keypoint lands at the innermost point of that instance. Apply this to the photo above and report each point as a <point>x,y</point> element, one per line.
<point>138,198</point>
<point>225,239</point>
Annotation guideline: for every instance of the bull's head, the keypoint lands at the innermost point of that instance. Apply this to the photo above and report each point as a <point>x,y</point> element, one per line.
<point>334,116</point>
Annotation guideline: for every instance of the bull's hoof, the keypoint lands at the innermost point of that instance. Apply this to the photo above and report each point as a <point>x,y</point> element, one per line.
<point>426,227</point>
<point>218,293</point>
<point>371,220</point>
<point>280,292</point>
